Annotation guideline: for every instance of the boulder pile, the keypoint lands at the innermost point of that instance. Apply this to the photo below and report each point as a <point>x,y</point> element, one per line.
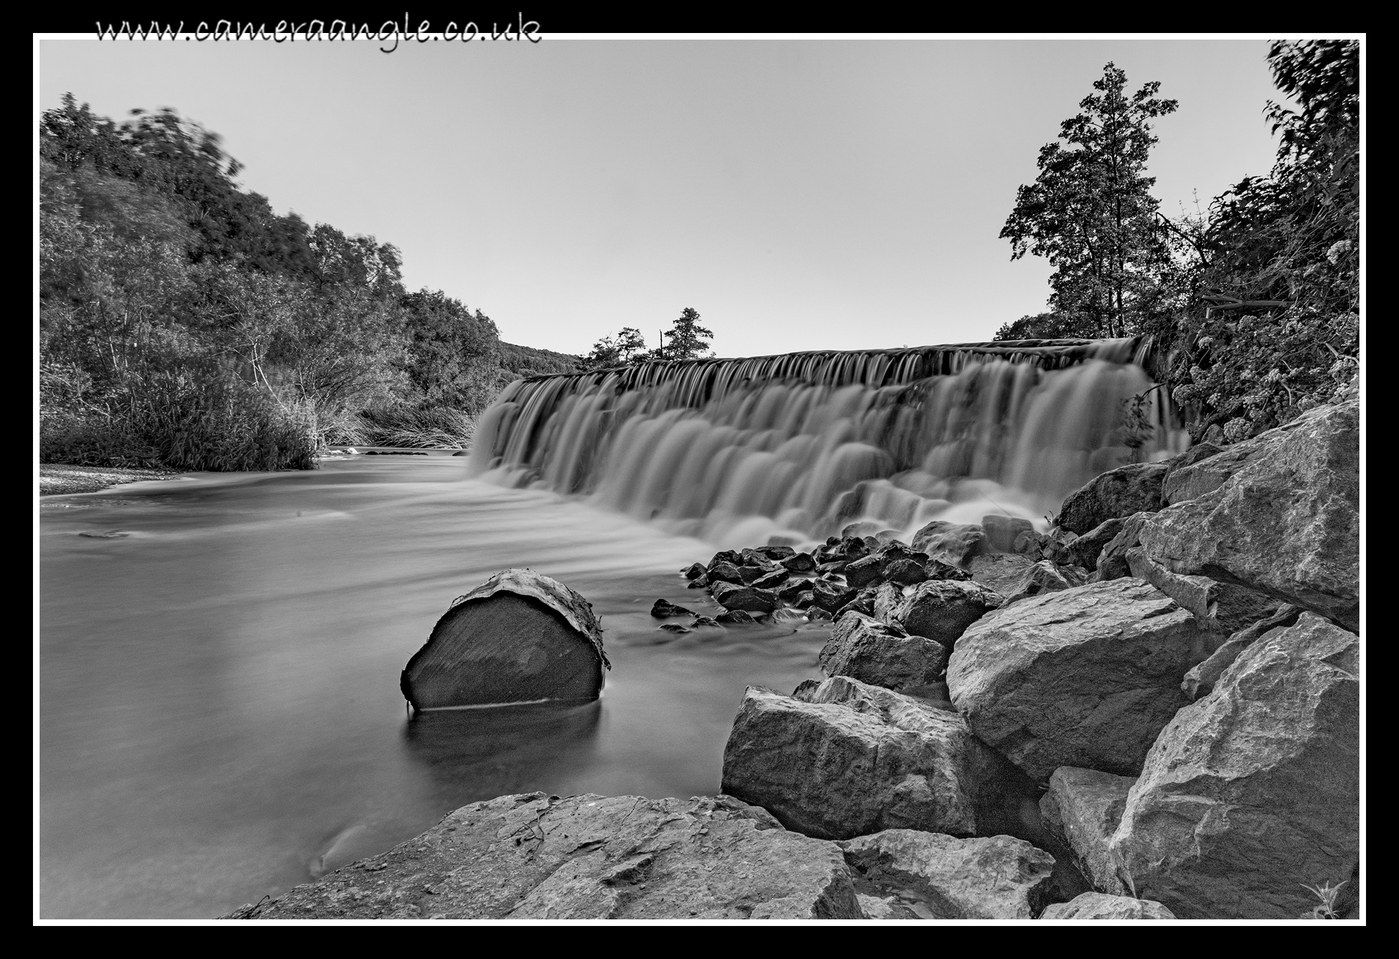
<point>1151,711</point>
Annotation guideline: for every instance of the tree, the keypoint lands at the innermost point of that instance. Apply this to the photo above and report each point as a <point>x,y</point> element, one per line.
<point>687,339</point>
<point>1091,214</point>
<point>628,346</point>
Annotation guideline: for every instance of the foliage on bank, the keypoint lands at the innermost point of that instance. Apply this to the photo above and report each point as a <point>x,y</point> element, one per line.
<point>183,323</point>
<point>1255,302</point>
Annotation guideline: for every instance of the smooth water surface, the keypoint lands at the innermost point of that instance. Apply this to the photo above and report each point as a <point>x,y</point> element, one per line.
<point>219,658</point>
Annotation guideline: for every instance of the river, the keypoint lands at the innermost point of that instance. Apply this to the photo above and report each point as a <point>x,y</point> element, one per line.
<point>219,716</point>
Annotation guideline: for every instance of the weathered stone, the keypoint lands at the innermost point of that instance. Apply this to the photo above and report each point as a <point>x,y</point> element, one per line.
<point>831,597</point>
<point>1182,482</point>
<point>1219,607</point>
<point>771,580</point>
<point>842,758</point>
<point>735,617</point>
<point>943,609</point>
<point>992,878</point>
<point>863,648</point>
<point>789,591</point>
<point>750,574</point>
<point>694,571</point>
<point>731,556</point>
<point>1097,905</point>
<point>864,572</point>
<point>777,553</point>
<point>1254,791</point>
<point>1082,810</point>
<point>1085,550</point>
<point>1000,571</point>
<point>724,572</point>
<point>799,563</point>
<point>952,543</point>
<point>1112,561</point>
<point>1001,531</point>
<point>1044,577</point>
<point>1080,677</point>
<point>587,857</point>
<point>1201,679</point>
<point>745,598</point>
<point>1287,522</point>
<point>663,608</point>
<point>1115,494</point>
<point>518,637</point>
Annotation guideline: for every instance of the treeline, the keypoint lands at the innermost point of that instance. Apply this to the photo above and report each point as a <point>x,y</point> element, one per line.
<point>1254,302</point>
<point>185,324</point>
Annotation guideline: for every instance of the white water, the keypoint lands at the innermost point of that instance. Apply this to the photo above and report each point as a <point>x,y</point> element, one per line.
<point>219,713</point>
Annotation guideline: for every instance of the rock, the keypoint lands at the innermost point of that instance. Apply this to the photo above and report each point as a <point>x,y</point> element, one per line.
<point>943,609</point>
<point>1254,790</point>
<point>882,655</point>
<point>799,563</point>
<point>1082,810</point>
<point>702,622</point>
<point>993,878</point>
<point>1115,494</point>
<point>723,572</point>
<point>1182,482</point>
<point>1112,560</point>
<point>1080,677</point>
<point>841,758</point>
<point>673,628</point>
<point>1085,550</point>
<point>1044,577</point>
<point>745,598</point>
<point>1287,522</point>
<point>752,573</point>
<point>831,597</point>
<point>772,579</point>
<point>735,617</point>
<point>1097,905</point>
<point>954,544</point>
<point>518,637</point>
<point>664,608</point>
<point>1001,572</point>
<point>1002,531</point>
<point>1201,679</point>
<point>694,571</point>
<point>587,857</point>
<point>1219,607</point>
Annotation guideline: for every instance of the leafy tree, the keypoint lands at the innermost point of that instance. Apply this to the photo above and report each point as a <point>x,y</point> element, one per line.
<point>1090,211</point>
<point>628,346</point>
<point>1041,326</point>
<point>687,339</point>
<point>1276,329</point>
<point>452,352</point>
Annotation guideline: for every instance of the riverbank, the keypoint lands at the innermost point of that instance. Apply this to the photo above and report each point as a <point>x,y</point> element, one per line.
<point>57,480</point>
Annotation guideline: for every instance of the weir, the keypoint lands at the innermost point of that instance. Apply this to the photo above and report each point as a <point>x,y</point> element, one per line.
<point>796,447</point>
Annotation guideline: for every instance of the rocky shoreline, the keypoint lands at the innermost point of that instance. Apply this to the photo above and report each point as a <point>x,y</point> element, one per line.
<point>1150,712</point>
<point>61,479</point>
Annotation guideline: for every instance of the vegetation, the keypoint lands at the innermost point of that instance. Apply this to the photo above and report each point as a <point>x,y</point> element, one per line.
<point>1254,302</point>
<point>184,324</point>
<point>686,341</point>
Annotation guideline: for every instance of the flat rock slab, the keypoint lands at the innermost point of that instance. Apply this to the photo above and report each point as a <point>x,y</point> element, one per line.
<point>935,876</point>
<point>841,758</point>
<point>1097,905</point>
<point>1254,791</point>
<point>520,637</point>
<point>534,856</point>
<point>1080,677</point>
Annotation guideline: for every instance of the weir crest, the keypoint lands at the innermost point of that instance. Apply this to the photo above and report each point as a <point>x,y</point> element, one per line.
<point>796,447</point>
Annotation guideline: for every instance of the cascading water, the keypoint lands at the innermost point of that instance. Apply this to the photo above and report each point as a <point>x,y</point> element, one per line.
<point>798,446</point>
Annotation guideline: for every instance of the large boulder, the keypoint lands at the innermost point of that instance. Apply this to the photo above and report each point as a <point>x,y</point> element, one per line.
<point>518,637</point>
<point>863,648</point>
<point>942,609</point>
<point>1118,493</point>
<point>953,543</point>
<point>1287,522</point>
<point>1081,810</point>
<point>1097,905</point>
<point>1254,791</point>
<point>942,877</point>
<point>1080,677</point>
<point>587,857</point>
<point>841,758</point>
<point>1202,678</point>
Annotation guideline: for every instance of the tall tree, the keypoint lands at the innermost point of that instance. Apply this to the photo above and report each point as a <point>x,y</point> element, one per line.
<point>628,346</point>
<point>1090,211</point>
<point>686,339</point>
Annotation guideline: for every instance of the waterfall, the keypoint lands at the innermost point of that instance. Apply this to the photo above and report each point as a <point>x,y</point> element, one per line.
<point>798,446</point>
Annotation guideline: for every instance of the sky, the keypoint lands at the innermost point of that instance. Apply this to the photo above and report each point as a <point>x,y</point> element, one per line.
<point>800,193</point>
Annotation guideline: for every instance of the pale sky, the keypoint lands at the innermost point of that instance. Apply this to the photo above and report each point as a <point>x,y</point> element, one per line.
<point>799,193</point>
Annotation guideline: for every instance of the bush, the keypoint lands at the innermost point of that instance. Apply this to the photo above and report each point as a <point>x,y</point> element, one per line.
<point>406,426</point>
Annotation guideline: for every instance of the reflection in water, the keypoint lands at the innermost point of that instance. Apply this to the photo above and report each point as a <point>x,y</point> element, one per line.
<point>219,713</point>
